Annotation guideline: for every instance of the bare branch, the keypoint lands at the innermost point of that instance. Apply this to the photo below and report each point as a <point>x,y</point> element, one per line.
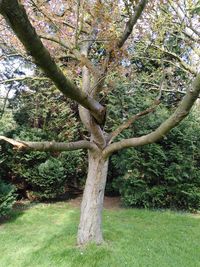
<point>17,144</point>
<point>180,113</point>
<point>166,61</point>
<point>53,20</point>
<point>175,56</point>
<point>73,27</point>
<point>49,146</point>
<point>63,43</point>
<point>21,79</point>
<point>156,87</point>
<point>16,16</point>
<point>124,36</point>
<point>77,22</point>
<point>82,58</point>
<point>15,55</point>
<point>131,120</point>
<point>131,22</point>
<point>189,30</point>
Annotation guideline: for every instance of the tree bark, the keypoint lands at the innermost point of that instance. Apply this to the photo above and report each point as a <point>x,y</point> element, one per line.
<point>90,227</point>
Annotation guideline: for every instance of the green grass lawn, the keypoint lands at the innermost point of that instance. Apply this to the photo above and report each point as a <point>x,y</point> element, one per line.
<point>45,235</point>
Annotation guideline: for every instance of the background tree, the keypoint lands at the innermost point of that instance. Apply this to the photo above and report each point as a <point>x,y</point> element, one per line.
<point>99,49</point>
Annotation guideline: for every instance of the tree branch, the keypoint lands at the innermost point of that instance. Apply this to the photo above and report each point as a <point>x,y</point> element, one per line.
<point>131,120</point>
<point>180,113</point>
<point>5,101</point>
<point>53,20</point>
<point>127,31</point>
<point>83,59</point>
<point>175,56</point>
<point>63,43</point>
<point>131,22</point>
<point>21,79</point>
<point>49,146</point>
<point>73,27</point>
<point>165,61</point>
<point>190,31</point>
<point>77,22</point>
<point>16,16</point>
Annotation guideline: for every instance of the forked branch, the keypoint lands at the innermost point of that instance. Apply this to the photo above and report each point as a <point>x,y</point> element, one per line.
<point>67,45</point>
<point>180,113</point>
<point>187,67</point>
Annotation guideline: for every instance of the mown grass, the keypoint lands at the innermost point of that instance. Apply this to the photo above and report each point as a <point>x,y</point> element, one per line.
<point>45,236</point>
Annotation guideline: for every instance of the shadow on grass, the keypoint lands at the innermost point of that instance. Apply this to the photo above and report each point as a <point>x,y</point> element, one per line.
<point>20,207</point>
<point>18,210</point>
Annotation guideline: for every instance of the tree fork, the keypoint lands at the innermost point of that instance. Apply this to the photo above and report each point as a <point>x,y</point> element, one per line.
<point>177,116</point>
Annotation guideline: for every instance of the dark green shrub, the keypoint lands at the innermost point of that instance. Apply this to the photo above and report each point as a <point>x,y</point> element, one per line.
<point>52,178</point>
<point>75,167</point>
<point>165,174</point>
<point>7,198</point>
<point>47,180</point>
<point>162,175</point>
<point>137,193</point>
<point>41,175</point>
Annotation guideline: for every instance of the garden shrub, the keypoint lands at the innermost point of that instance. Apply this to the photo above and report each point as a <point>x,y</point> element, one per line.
<point>47,180</point>
<point>162,175</point>
<point>7,197</point>
<point>41,175</point>
<point>52,178</point>
<point>165,174</point>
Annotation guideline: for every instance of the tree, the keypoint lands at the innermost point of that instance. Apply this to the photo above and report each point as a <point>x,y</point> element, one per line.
<point>97,47</point>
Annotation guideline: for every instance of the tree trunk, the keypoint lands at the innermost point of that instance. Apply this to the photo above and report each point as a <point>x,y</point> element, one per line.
<point>90,227</point>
